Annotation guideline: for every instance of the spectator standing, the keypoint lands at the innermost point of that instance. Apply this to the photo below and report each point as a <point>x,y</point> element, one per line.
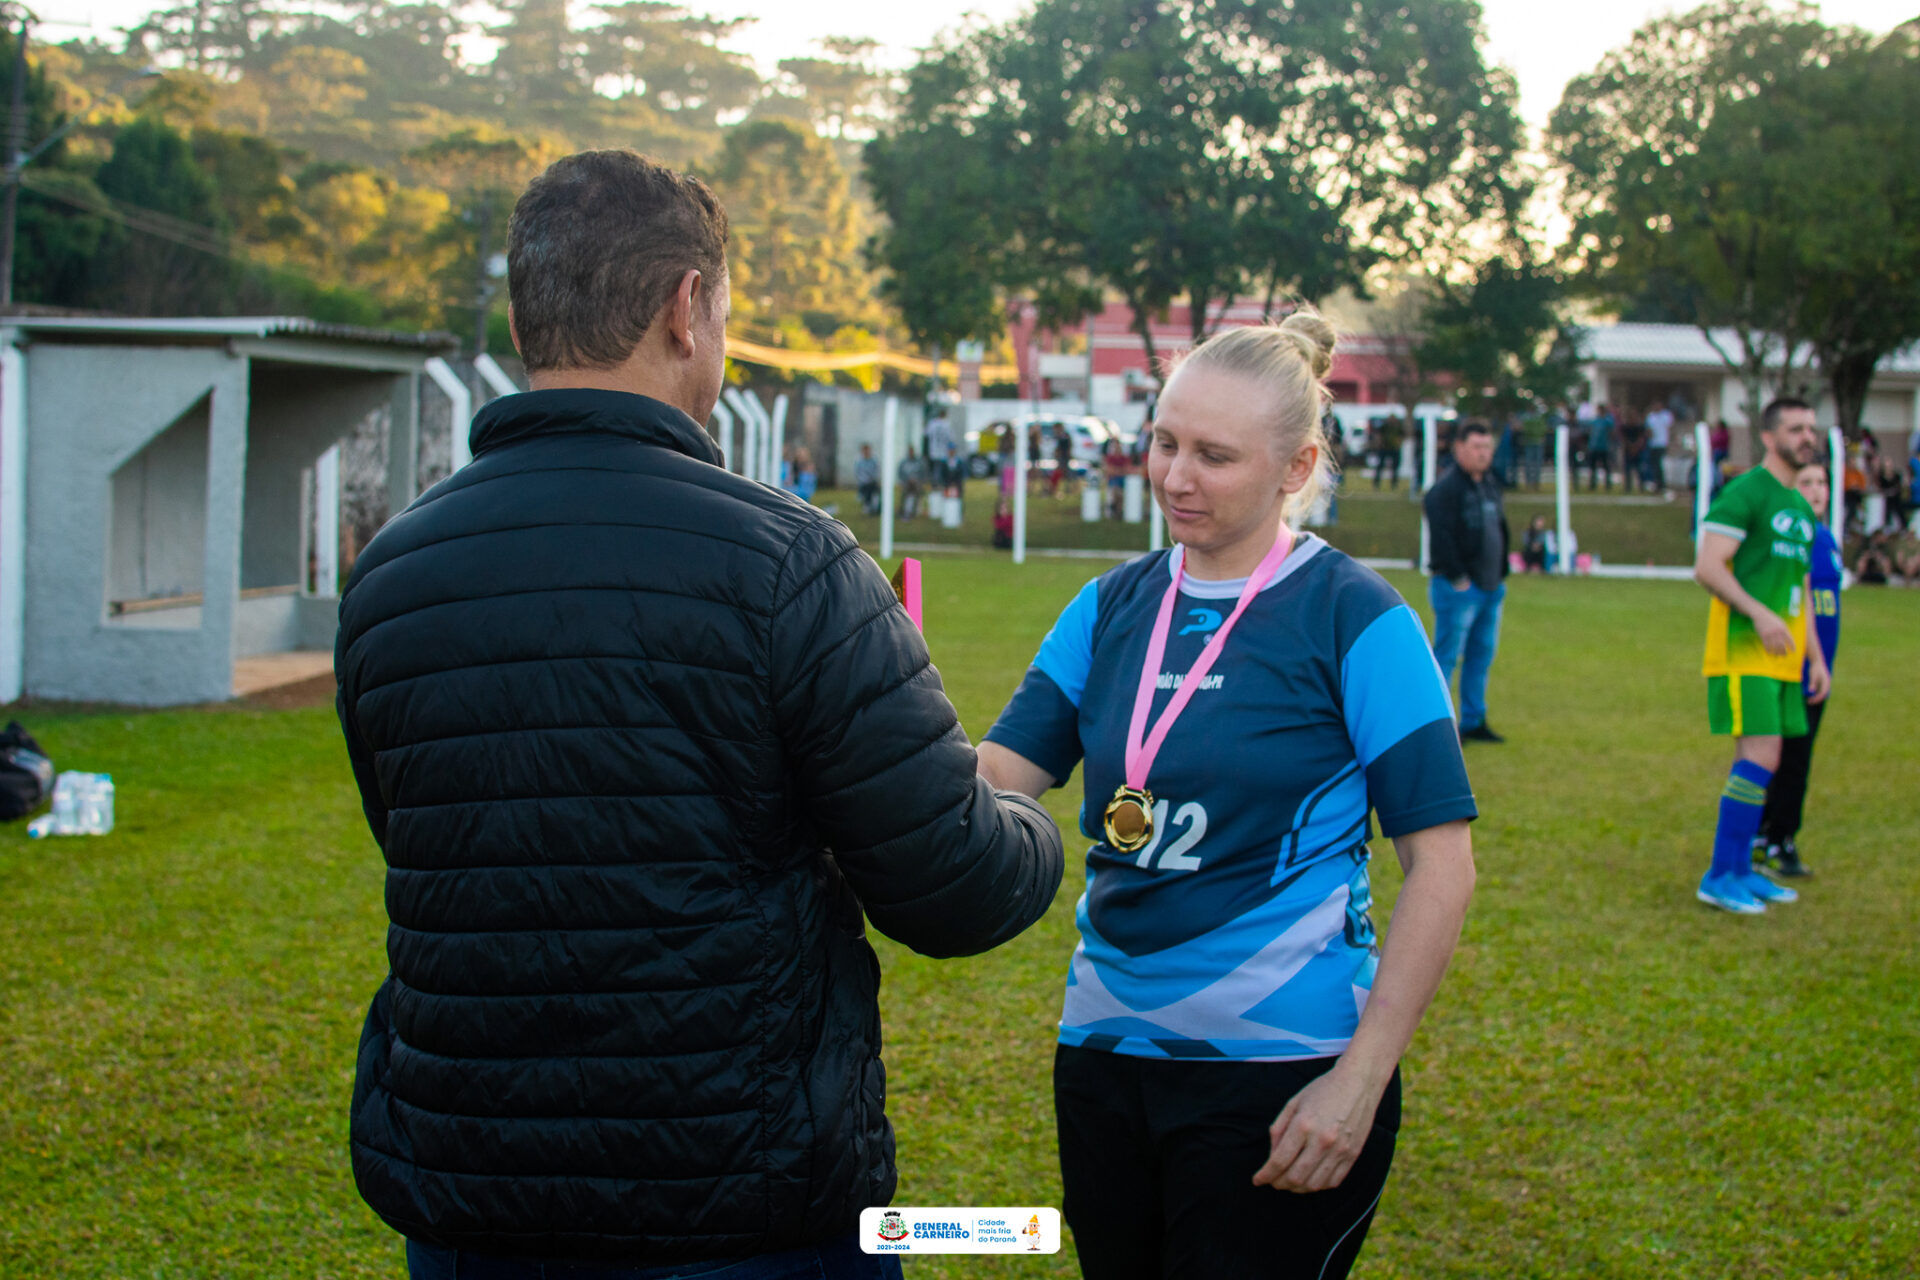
<point>1633,448</point>
<point>912,474</point>
<point>1468,539</point>
<point>1534,429</point>
<point>1776,849</point>
<point>641,741</point>
<point>1062,462</point>
<point>1506,455</point>
<point>1600,449</point>
<point>1392,435</point>
<point>1659,437</point>
<point>866,476</point>
<point>1118,465</point>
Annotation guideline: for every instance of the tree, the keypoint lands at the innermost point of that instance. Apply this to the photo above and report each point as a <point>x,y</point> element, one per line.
<point>1683,155</point>
<point>1504,335</point>
<point>1201,148</point>
<point>152,170</point>
<point>842,90</point>
<point>1860,244</point>
<point>484,175</point>
<point>674,57</point>
<point>212,35</point>
<point>795,246</point>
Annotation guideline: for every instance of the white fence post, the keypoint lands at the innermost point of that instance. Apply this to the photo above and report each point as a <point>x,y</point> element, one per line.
<point>1837,487</point>
<point>1563,496</point>
<point>1702,476</point>
<point>1020,463</point>
<point>1429,459</point>
<point>744,405</point>
<point>460,444</point>
<point>13,517</point>
<point>777,437</point>
<point>326,523</point>
<point>889,463</point>
<point>494,376</point>
<point>1156,527</point>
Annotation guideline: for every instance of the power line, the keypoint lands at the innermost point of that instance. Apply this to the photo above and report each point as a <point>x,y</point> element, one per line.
<point>147,221</point>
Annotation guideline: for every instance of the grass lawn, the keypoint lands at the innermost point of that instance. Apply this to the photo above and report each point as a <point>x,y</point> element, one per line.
<point>1614,1082</point>
<point>1372,522</point>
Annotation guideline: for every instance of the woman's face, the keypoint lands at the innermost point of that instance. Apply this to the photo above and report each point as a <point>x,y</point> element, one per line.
<point>1216,467</point>
<point>1811,481</point>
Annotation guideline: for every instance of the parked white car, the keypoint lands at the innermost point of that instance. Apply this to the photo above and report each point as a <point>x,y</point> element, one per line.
<point>1090,437</point>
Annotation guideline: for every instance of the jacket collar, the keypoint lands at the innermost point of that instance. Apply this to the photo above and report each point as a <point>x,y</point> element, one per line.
<point>512,419</point>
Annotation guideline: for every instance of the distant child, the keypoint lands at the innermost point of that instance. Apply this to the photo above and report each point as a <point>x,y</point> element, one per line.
<point>1003,524</point>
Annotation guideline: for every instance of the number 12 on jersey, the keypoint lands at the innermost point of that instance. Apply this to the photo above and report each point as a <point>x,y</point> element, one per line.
<point>1193,818</point>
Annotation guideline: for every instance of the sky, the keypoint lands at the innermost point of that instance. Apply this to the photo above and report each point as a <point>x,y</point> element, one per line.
<point>1546,44</point>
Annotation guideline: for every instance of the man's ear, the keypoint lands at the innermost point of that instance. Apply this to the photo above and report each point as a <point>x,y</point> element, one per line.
<point>513,332</point>
<point>680,311</point>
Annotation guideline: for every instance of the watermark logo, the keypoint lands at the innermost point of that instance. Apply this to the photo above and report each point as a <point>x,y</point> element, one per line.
<point>1023,1229</point>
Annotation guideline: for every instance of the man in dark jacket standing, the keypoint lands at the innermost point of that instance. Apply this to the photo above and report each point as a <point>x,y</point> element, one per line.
<point>640,739</point>
<point>1468,541</point>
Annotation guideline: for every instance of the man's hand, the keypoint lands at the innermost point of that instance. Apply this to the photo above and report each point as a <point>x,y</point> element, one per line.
<point>1773,633</point>
<point>1819,679</point>
<point>1318,1136</point>
<point>1462,582</point>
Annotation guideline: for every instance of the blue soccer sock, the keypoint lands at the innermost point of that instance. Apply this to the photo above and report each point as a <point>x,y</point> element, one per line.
<point>1741,803</point>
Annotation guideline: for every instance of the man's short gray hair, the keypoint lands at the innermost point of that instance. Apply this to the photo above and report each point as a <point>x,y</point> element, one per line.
<point>597,246</point>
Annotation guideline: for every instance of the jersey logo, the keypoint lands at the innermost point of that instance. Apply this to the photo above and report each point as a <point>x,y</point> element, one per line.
<point>1789,525</point>
<point>1204,620</point>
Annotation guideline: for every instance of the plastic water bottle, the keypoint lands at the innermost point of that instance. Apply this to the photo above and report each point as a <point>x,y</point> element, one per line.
<point>96,805</point>
<point>66,802</point>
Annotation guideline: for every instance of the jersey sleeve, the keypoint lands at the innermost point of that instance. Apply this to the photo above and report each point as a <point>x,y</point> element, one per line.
<point>1042,719</point>
<point>1400,721</point>
<point>1731,512</point>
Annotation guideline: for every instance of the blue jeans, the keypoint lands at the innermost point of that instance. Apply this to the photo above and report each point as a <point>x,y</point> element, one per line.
<point>836,1260</point>
<point>1468,620</point>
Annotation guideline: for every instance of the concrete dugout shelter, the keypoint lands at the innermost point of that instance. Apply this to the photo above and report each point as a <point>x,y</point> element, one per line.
<point>154,521</point>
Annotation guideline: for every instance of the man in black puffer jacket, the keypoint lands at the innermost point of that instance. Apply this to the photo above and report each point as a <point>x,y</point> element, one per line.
<point>640,739</point>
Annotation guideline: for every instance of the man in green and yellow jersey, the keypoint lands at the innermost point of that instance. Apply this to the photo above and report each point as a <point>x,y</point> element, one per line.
<point>1756,545</point>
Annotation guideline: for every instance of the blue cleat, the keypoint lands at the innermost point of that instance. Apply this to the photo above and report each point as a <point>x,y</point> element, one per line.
<point>1766,890</point>
<point>1729,893</point>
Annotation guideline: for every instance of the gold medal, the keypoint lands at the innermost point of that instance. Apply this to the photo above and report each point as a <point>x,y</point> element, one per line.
<point>1129,818</point>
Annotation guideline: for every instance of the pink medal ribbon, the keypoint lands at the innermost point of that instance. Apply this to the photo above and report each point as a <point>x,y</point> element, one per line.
<point>1129,816</point>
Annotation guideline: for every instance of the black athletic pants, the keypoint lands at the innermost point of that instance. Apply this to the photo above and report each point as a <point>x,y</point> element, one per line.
<point>1787,793</point>
<point>1158,1157</point>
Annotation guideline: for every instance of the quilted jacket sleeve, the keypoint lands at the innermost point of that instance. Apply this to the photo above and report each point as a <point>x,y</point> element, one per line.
<point>882,769</point>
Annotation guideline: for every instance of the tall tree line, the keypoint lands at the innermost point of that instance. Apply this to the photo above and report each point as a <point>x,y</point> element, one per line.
<point>353,163</point>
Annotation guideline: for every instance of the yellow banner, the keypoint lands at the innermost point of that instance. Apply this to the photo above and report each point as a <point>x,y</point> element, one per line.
<point>838,361</point>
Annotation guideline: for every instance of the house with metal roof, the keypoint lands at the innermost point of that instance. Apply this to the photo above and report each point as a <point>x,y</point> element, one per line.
<point>1634,366</point>
<point>157,523</point>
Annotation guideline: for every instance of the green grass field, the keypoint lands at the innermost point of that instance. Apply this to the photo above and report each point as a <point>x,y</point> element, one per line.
<point>1614,1082</point>
<point>1376,523</point>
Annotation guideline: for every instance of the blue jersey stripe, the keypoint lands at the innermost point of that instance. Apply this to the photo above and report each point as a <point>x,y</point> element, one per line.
<point>1390,684</point>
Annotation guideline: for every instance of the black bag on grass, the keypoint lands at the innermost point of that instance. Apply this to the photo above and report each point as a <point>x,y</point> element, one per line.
<point>26,775</point>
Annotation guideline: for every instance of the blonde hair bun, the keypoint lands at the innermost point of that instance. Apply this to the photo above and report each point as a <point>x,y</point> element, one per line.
<point>1315,338</point>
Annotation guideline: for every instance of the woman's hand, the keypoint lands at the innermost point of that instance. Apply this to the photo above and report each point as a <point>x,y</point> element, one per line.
<point>1319,1134</point>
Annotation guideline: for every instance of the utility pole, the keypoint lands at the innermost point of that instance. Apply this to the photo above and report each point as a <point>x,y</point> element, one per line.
<point>15,161</point>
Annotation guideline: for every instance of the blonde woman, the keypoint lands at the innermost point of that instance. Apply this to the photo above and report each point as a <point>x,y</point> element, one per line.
<point>1226,1082</point>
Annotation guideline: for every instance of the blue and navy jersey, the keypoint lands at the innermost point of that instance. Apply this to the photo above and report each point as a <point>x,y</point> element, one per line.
<point>1824,572</point>
<point>1242,930</point>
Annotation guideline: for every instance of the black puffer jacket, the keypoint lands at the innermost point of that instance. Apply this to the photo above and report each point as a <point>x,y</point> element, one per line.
<point>639,738</point>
